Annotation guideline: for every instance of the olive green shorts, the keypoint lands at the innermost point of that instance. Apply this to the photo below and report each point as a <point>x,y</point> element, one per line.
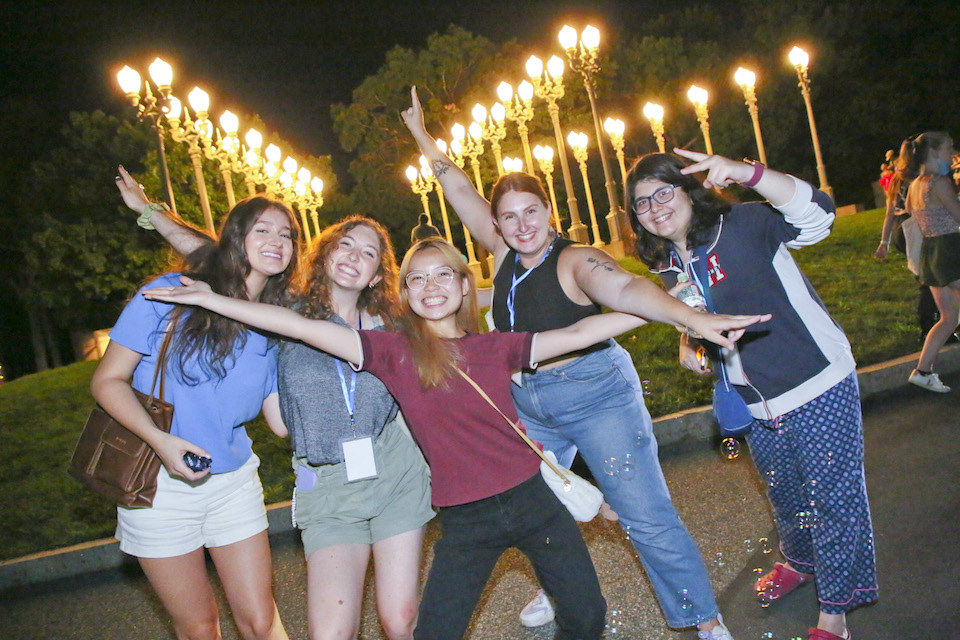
<point>366,511</point>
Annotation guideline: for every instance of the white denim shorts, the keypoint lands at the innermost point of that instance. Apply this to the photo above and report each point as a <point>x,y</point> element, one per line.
<point>218,510</point>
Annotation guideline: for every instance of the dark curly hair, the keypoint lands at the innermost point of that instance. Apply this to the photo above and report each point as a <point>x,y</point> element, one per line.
<point>707,205</point>
<point>210,337</point>
<point>313,287</point>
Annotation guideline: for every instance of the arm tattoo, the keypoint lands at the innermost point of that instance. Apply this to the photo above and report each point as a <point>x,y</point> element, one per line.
<point>440,167</point>
<point>600,265</point>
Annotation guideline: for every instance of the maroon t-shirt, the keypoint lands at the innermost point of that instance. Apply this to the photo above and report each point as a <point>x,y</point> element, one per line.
<point>472,452</point>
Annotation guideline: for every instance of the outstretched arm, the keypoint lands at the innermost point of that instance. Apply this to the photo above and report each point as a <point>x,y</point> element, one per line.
<point>605,282</point>
<point>327,336</point>
<point>582,334</point>
<point>182,237</point>
<point>472,208</point>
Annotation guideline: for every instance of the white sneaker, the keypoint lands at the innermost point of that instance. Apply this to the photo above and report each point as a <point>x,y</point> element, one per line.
<point>929,381</point>
<point>538,611</point>
<point>719,632</point>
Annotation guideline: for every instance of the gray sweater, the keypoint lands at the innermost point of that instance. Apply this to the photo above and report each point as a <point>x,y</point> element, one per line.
<point>313,406</point>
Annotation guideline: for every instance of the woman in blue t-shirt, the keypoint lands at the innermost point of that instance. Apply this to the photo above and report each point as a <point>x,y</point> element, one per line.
<point>217,375</point>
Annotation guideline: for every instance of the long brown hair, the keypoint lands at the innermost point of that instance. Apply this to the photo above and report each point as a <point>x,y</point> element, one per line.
<point>314,284</point>
<point>436,357</point>
<point>210,337</point>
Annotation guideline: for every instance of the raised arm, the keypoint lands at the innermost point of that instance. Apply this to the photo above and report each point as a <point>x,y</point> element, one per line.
<point>812,214</point>
<point>182,237</point>
<point>582,334</point>
<point>332,338</point>
<point>472,208</point>
<point>605,282</point>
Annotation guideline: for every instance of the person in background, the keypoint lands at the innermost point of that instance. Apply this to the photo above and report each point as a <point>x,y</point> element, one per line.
<point>932,200</point>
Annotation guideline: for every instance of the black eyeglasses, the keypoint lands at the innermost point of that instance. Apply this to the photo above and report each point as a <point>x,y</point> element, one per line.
<point>663,195</point>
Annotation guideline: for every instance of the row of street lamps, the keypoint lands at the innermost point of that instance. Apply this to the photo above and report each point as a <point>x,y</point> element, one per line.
<point>546,83</point>
<point>286,180</point>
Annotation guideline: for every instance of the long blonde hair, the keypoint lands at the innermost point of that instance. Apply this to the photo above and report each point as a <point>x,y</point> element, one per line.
<point>436,357</point>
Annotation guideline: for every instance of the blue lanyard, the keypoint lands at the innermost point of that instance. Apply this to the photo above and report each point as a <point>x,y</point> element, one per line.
<point>512,294</point>
<point>349,397</point>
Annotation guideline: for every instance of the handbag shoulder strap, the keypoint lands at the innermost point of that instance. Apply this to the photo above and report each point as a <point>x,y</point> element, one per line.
<point>523,435</point>
<point>161,361</point>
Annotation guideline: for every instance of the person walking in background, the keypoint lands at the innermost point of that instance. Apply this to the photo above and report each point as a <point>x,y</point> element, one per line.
<point>932,200</point>
<point>807,435</point>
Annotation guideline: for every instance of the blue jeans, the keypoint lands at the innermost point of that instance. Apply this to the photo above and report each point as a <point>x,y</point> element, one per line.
<point>595,404</point>
<point>530,518</point>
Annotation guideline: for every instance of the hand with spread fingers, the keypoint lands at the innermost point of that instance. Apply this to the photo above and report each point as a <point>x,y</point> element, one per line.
<point>721,171</point>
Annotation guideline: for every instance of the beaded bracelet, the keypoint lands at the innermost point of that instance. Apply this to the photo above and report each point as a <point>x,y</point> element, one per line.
<point>148,210</point>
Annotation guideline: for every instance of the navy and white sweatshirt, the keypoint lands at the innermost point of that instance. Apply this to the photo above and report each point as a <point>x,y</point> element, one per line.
<point>747,269</point>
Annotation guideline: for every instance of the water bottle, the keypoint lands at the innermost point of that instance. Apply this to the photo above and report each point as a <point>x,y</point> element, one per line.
<point>692,297</point>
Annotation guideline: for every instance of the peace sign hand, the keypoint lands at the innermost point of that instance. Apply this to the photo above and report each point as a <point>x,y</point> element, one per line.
<point>721,171</point>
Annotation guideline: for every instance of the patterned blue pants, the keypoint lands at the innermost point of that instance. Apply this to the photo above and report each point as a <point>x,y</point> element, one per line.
<point>811,459</point>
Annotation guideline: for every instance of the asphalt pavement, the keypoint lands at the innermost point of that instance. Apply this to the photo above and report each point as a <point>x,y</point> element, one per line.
<point>912,467</point>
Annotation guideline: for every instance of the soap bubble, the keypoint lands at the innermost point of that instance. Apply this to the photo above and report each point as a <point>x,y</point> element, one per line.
<point>748,545</point>
<point>684,601</point>
<point>730,448</point>
<point>627,470</point>
<point>646,387</point>
<point>765,545</point>
<point>719,561</point>
<point>611,466</point>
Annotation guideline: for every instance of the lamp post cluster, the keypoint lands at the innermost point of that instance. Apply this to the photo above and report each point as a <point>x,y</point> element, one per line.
<point>222,144</point>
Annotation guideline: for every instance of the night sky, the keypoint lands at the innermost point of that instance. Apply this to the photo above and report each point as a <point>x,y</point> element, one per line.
<point>287,61</point>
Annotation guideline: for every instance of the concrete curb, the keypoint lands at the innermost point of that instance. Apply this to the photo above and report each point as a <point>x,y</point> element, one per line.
<point>683,426</point>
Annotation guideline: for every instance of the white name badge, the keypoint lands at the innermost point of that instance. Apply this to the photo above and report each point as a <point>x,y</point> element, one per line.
<point>358,459</point>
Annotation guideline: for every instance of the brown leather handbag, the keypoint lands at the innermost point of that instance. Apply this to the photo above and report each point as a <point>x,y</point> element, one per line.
<point>111,460</point>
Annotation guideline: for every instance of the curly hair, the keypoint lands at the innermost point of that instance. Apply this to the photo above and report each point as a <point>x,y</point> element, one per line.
<point>313,287</point>
<point>209,337</point>
<point>707,206</point>
<point>436,357</point>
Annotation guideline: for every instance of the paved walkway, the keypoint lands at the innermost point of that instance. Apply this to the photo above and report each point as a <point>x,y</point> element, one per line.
<point>913,468</point>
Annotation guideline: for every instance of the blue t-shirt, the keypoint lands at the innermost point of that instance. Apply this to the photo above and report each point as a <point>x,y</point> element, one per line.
<point>211,412</point>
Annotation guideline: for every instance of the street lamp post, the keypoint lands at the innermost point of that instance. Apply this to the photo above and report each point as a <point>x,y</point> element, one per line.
<point>316,185</point>
<point>519,108</point>
<point>151,107</point>
<point>493,128</point>
<point>421,187</point>
<point>799,59</point>
<point>544,156</point>
<point>698,97</point>
<point>224,150</point>
<point>615,128</point>
<point>583,57</point>
<point>548,85</point>
<point>578,142</point>
<point>654,114</point>
<point>271,169</point>
<point>471,141</point>
<point>251,160</point>
<point>191,133</point>
<point>747,80</point>
<point>289,189</point>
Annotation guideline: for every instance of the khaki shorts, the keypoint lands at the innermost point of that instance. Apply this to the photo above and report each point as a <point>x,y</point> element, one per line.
<point>367,511</point>
<point>215,511</point>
